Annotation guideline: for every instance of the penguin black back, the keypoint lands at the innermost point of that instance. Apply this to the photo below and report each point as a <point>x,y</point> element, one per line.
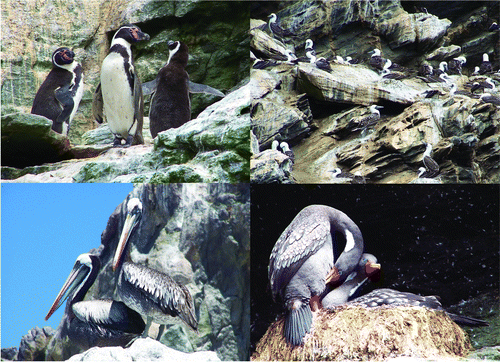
<point>60,94</point>
<point>170,105</point>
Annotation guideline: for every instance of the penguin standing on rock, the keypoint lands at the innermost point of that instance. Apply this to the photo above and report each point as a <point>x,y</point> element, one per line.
<point>61,92</point>
<point>170,105</point>
<point>120,92</point>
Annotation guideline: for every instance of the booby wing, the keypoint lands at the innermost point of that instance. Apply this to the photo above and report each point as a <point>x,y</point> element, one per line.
<point>173,298</point>
<point>294,246</point>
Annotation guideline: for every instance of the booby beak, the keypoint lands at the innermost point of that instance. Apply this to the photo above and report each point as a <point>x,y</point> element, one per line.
<point>76,277</point>
<point>130,222</point>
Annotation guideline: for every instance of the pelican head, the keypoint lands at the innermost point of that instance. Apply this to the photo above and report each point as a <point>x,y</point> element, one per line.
<point>134,214</point>
<point>78,275</point>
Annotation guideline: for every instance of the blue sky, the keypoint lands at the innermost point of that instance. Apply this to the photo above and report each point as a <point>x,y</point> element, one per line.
<point>44,227</point>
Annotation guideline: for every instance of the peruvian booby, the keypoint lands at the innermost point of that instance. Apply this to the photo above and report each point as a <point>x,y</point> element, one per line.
<point>376,60</point>
<point>170,104</point>
<point>485,66</point>
<point>431,166</point>
<point>275,145</point>
<point>121,90</point>
<point>302,258</point>
<point>367,269</point>
<point>425,70</point>
<point>370,120</point>
<point>285,149</point>
<point>309,47</point>
<point>147,291</point>
<point>96,322</point>
<point>455,65</point>
<point>338,173</point>
<point>388,74</point>
<point>60,94</point>
<point>482,84</point>
<point>263,64</point>
<point>489,98</point>
<point>321,63</point>
<point>277,30</point>
<point>394,298</point>
<point>493,27</point>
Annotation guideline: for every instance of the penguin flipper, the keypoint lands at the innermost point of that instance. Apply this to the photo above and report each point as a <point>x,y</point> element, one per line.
<point>138,111</point>
<point>297,323</point>
<point>202,88</point>
<point>97,104</point>
<point>63,95</point>
<point>150,87</point>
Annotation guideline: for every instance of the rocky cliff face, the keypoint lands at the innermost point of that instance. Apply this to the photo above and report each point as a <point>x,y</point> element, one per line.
<point>318,112</point>
<point>218,47</point>
<point>198,234</point>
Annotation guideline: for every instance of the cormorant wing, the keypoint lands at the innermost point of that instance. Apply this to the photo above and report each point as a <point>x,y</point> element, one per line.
<point>299,240</point>
<point>97,104</point>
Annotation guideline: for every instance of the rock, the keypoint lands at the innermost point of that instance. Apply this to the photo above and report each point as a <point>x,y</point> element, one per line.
<point>214,147</point>
<point>270,166</point>
<point>145,349</point>
<point>378,333</point>
<point>198,234</point>
<point>443,53</point>
<point>33,344</point>
<point>9,354</point>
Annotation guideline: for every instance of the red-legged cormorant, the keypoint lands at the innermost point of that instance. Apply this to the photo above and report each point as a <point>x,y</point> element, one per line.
<point>302,258</point>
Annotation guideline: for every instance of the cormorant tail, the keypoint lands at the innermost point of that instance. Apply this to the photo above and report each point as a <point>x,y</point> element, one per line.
<point>466,321</point>
<point>297,323</point>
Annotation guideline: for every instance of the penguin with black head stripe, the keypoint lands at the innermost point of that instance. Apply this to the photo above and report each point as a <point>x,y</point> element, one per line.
<point>170,105</point>
<point>60,94</point>
<point>119,94</point>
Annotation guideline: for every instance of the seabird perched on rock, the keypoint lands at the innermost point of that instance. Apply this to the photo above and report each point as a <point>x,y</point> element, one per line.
<point>394,298</point>
<point>321,63</point>
<point>425,70</point>
<point>303,258</point>
<point>263,64</point>
<point>494,26</point>
<point>427,177</point>
<point>455,65</point>
<point>431,166</point>
<point>442,69</point>
<point>489,98</point>
<point>367,268</point>
<point>485,66</point>
<point>310,47</point>
<point>376,60</point>
<point>388,74</point>
<point>371,119</point>
<point>287,151</point>
<point>277,30</point>
<point>476,71</point>
<point>482,84</point>
<point>338,173</point>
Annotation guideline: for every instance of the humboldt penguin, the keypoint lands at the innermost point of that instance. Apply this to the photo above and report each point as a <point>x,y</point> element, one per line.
<point>120,89</point>
<point>170,105</point>
<point>303,258</point>
<point>61,92</point>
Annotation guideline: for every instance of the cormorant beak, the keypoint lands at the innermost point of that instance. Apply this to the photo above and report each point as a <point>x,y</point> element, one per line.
<point>373,271</point>
<point>130,222</point>
<point>75,278</point>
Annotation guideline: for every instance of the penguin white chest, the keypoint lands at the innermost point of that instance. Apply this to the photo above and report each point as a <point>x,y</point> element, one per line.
<point>117,95</point>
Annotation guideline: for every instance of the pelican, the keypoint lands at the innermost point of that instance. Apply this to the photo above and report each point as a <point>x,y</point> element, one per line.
<point>96,322</point>
<point>149,292</point>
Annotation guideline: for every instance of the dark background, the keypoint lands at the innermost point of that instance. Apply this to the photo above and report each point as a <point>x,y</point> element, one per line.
<point>431,240</point>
